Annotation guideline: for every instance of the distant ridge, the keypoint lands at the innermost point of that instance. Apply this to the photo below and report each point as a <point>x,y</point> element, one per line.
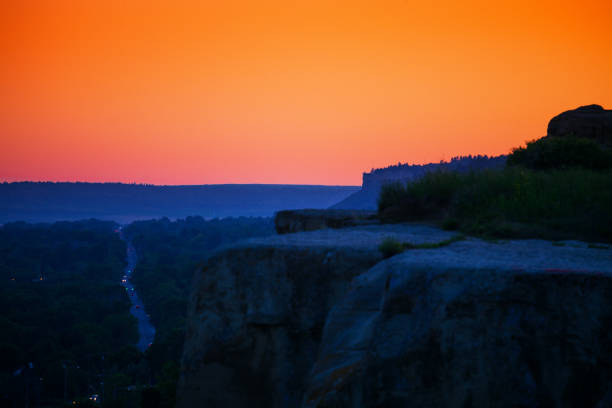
<point>50,201</point>
<point>366,198</point>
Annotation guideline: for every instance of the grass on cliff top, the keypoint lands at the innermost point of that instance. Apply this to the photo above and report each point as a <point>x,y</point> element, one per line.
<point>514,202</point>
<point>391,246</point>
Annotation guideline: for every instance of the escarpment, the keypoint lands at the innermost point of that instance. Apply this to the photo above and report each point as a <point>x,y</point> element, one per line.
<point>516,324</point>
<point>256,320</point>
<point>319,319</point>
<point>258,309</point>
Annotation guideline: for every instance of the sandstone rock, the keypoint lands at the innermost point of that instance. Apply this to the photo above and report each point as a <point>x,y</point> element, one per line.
<point>591,121</point>
<point>471,325</point>
<point>317,319</point>
<point>257,312</point>
<point>256,318</point>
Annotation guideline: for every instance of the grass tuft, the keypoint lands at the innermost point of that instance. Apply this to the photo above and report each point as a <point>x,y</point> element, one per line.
<point>391,246</point>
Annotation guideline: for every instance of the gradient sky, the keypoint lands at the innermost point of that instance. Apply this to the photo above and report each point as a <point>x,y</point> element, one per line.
<point>305,92</point>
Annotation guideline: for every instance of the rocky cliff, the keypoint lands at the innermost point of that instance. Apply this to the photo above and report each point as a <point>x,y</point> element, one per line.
<point>319,319</point>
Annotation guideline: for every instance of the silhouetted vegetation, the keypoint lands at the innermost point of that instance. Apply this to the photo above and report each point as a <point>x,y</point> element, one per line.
<point>557,188</point>
<point>169,253</point>
<point>561,153</point>
<point>513,202</point>
<point>65,326</point>
<point>373,181</point>
<point>457,163</point>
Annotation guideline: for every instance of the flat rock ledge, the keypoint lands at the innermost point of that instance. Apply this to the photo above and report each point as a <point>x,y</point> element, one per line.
<point>319,319</point>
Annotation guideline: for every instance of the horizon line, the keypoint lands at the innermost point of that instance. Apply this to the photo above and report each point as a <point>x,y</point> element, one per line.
<point>173,185</point>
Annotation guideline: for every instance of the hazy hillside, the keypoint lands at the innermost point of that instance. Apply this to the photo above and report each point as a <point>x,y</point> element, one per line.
<point>47,201</point>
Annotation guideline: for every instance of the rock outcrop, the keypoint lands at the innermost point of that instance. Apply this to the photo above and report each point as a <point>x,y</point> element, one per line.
<point>591,122</point>
<point>258,309</point>
<point>519,324</point>
<point>318,319</point>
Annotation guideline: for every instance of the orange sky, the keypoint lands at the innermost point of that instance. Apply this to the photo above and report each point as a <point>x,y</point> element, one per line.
<point>306,92</point>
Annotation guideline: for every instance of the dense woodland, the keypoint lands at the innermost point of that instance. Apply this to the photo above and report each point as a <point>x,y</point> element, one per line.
<point>457,163</point>
<point>65,326</point>
<point>66,333</point>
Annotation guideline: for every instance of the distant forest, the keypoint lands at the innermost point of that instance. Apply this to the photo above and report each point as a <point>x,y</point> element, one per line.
<point>48,201</point>
<point>457,163</point>
<point>65,325</point>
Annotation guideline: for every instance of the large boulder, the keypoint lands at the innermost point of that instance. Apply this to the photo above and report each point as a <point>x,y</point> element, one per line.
<point>591,122</point>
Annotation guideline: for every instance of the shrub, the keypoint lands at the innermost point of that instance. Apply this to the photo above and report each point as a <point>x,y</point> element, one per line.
<point>424,198</point>
<point>512,202</point>
<point>390,247</point>
<point>561,153</point>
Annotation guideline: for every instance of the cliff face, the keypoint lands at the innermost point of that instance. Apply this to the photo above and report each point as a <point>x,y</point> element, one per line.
<point>319,319</point>
<point>520,324</point>
<point>256,320</point>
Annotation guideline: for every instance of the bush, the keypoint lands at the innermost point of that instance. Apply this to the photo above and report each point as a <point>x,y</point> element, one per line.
<point>561,153</point>
<point>512,202</point>
<point>390,247</point>
<point>424,198</point>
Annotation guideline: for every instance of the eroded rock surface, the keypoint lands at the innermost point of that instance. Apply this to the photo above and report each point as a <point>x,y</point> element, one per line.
<point>256,320</point>
<point>319,319</point>
<point>258,308</point>
<point>475,324</point>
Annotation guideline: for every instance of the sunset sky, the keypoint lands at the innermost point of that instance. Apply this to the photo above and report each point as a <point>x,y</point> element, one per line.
<point>301,92</point>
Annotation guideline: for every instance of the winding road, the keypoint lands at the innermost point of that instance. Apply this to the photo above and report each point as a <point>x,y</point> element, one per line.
<point>146,331</point>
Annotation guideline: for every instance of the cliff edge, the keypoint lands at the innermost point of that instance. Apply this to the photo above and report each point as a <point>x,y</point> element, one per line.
<point>319,319</point>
